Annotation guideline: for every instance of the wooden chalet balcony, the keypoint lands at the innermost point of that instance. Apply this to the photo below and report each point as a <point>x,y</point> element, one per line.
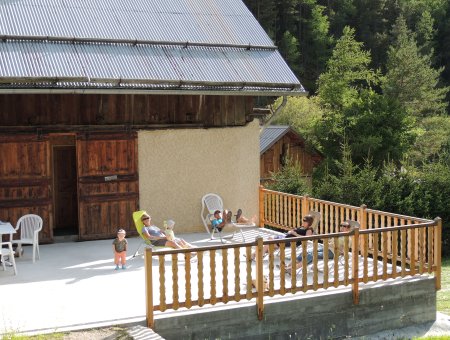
<point>385,246</point>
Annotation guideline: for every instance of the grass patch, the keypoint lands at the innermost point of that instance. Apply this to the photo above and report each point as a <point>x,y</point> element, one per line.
<point>113,332</point>
<point>12,336</point>
<point>443,295</point>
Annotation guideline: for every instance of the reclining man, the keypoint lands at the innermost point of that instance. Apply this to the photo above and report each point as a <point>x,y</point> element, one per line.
<point>222,219</point>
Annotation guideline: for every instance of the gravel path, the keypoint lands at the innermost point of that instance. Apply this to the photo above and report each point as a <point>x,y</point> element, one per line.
<point>441,327</point>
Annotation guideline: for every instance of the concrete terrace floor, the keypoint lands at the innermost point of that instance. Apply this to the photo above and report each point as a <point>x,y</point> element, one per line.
<point>74,286</point>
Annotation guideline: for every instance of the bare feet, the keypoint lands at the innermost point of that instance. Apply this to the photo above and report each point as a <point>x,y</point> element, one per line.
<point>244,220</point>
<point>228,217</point>
<point>238,215</point>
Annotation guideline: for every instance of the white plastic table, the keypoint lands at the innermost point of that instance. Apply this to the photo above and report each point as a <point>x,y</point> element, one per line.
<point>6,228</point>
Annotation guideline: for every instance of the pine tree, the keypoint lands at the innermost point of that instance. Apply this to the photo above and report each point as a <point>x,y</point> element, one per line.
<point>347,72</point>
<point>410,78</point>
<point>289,49</point>
<point>315,42</point>
<point>373,125</point>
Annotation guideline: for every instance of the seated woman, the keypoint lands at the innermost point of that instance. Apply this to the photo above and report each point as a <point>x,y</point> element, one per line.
<point>158,238</point>
<point>304,230</point>
<point>344,227</point>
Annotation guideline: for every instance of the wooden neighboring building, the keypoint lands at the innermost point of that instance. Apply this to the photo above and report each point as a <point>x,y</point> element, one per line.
<point>88,107</point>
<point>279,143</point>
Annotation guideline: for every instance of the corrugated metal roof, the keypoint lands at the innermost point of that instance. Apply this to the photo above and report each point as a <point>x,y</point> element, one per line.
<point>205,21</point>
<point>102,64</point>
<point>273,133</point>
<point>147,44</point>
<point>270,135</point>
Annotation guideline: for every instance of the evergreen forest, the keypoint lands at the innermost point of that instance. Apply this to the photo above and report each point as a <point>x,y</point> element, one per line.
<point>377,73</point>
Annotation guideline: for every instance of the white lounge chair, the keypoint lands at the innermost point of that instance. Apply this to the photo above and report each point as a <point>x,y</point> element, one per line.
<point>212,202</point>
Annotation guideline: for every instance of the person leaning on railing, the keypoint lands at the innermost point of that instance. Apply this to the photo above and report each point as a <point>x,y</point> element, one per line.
<point>304,230</point>
<point>343,227</point>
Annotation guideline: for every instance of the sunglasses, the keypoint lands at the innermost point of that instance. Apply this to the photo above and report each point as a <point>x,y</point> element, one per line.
<point>145,218</point>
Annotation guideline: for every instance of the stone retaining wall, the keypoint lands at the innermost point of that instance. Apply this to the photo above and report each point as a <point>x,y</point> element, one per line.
<point>321,315</point>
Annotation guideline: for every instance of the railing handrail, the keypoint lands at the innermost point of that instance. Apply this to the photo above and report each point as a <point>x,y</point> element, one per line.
<point>281,193</point>
<point>337,204</point>
<point>404,217</point>
<point>395,248</point>
<point>203,248</point>
<point>430,223</point>
<point>252,243</point>
<point>343,205</point>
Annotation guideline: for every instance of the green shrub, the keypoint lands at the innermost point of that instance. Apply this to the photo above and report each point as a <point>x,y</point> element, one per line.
<point>416,191</point>
<point>289,180</point>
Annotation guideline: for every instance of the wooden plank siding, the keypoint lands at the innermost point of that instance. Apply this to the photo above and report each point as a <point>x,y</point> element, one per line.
<point>108,185</point>
<point>25,180</point>
<point>102,129</point>
<point>62,112</point>
<point>287,146</point>
<point>104,204</point>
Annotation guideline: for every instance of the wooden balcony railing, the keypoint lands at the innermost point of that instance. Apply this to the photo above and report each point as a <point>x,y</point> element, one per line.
<point>285,211</point>
<point>385,246</point>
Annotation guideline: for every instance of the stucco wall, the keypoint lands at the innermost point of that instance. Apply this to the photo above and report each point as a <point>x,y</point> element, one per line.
<point>177,167</point>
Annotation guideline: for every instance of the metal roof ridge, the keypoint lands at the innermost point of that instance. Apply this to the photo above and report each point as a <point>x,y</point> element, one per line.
<point>133,42</point>
<point>276,126</point>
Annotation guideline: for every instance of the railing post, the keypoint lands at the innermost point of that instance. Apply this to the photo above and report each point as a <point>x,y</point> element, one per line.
<point>259,278</point>
<point>363,222</point>
<point>149,287</point>
<point>355,266</point>
<point>261,206</point>
<point>305,209</point>
<point>437,252</point>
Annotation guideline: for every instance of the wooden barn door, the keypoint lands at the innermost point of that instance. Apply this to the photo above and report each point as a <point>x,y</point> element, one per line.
<point>108,186</point>
<point>25,180</point>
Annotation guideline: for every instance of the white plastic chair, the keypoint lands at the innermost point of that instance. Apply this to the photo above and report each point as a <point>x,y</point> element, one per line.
<point>29,227</point>
<point>211,203</point>
<point>9,252</point>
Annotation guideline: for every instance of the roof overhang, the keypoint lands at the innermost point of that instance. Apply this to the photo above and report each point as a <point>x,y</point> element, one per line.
<point>74,65</point>
<point>212,92</point>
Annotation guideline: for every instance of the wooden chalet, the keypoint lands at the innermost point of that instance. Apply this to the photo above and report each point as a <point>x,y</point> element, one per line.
<point>107,107</point>
<point>279,143</point>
